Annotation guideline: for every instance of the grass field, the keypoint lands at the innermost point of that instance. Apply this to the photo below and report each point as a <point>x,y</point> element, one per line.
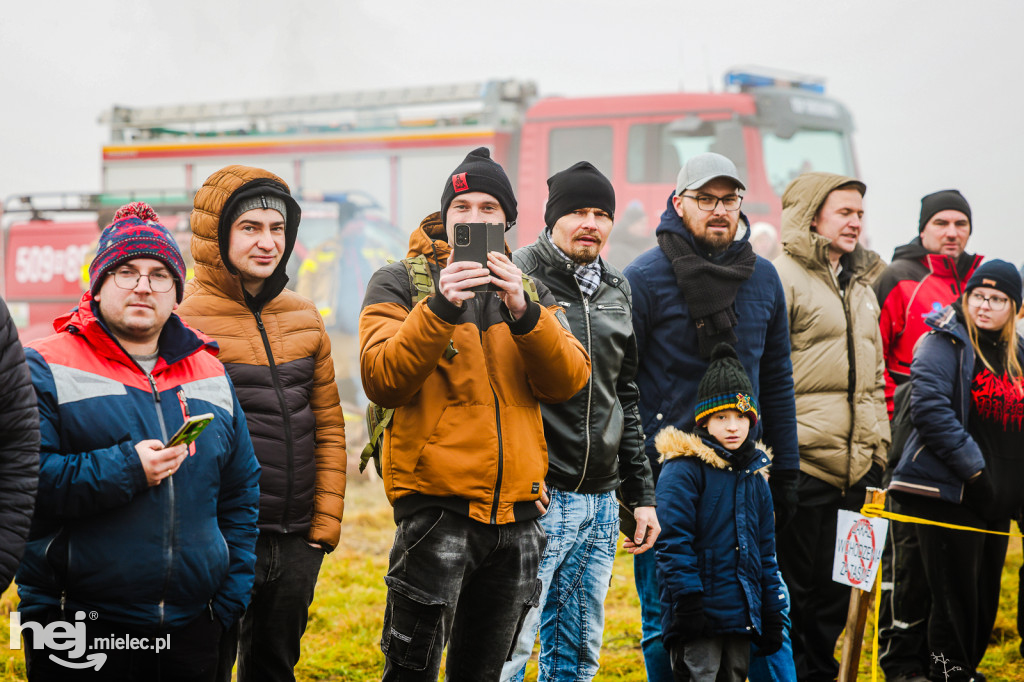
<point>341,642</point>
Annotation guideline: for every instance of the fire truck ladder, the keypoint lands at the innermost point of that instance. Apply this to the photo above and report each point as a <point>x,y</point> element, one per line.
<point>494,102</point>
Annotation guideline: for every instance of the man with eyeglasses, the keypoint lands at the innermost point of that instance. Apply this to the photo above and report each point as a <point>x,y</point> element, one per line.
<point>925,275</point>
<point>837,372</point>
<point>702,285</point>
<point>244,225</point>
<point>151,540</point>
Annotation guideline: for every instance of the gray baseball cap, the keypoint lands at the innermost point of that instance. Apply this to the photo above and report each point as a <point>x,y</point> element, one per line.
<point>703,168</point>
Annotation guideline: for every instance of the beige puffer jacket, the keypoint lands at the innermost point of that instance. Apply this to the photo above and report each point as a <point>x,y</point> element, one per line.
<point>835,341</point>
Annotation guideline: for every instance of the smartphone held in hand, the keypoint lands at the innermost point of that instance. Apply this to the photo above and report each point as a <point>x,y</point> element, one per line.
<point>474,240</point>
<point>190,430</point>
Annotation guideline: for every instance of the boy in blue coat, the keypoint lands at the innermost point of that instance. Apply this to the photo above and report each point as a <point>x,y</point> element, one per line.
<point>717,573</point>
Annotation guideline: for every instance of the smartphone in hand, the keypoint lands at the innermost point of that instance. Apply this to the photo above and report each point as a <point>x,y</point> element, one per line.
<point>190,430</point>
<point>473,241</point>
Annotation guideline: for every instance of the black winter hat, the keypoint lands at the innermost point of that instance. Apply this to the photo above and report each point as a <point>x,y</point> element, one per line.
<point>479,173</point>
<point>998,275</point>
<point>725,386</point>
<point>578,186</point>
<point>947,199</point>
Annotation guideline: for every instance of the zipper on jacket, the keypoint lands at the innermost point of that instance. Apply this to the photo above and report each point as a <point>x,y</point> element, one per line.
<point>590,387</point>
<point>497,421</point>
<point>169,482</point>
<point>286,418</point>
<point>851,386</point>
<point>501,457</point>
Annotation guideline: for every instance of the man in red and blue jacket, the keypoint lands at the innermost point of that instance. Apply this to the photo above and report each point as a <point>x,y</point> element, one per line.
<point>132,538</point>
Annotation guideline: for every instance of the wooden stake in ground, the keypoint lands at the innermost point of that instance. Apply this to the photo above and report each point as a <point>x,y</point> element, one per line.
<point>857,614</point>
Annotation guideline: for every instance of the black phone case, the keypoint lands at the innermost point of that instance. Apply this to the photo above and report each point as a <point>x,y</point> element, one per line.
<point>483,237</point>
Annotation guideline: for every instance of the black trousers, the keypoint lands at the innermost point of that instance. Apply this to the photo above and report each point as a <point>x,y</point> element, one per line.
<point>805,548</point>
<point>906,601</point>
<point>963,570</point>
<point>129,654</point>
<point>457,582</point>
<point>267,637</point>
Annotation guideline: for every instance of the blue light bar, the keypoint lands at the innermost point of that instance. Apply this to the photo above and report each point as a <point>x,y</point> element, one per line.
<point>746,80</point>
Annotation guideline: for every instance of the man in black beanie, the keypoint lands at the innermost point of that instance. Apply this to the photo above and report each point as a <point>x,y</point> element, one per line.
<point>926,274</point>
<point>463,459</point>
<point>594,439</point>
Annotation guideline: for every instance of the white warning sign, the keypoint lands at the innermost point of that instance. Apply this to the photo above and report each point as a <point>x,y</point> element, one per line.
<point>859,544</point>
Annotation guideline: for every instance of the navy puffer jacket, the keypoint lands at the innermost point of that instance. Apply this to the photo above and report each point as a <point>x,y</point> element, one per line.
<point>940,455</point>
<point>717,535</point>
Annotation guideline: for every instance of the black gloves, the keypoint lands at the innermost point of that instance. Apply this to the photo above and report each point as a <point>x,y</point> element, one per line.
<point>688,621</point>
<point>770,639</point>
<point>784,496</point>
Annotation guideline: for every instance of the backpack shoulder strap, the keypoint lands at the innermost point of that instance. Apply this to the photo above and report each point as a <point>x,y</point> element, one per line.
<point>530,288</point>
<point>421,284</point>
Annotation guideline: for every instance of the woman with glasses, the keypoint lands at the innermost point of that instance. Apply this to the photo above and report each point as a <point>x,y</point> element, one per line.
<point>963,463</point>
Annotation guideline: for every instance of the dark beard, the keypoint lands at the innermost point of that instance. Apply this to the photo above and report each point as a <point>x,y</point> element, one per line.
<point>580,255</point>
<point>713,246</point>
<point>705,244</point>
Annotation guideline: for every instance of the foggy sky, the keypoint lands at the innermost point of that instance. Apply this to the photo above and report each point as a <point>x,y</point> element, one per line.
<point>934,87</point>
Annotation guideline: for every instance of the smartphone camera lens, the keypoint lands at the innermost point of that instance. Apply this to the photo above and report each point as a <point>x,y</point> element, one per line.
<point>462,235</point>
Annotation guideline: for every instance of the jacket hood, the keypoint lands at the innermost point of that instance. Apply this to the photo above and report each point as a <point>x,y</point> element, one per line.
<point>914,251</point>
<point>672,222</point>
<point>214,202</point>
<point>177,339</point>
<point>800,202</point>
<point>671,443</point>
<point>431,240</point>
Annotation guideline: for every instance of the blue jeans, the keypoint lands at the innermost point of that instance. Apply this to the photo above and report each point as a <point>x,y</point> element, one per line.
<point>656,659</point>
<point>575,572</point>
<point>775,668</point>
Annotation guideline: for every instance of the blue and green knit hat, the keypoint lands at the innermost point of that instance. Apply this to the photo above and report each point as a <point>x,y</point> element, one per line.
<point>725,386</point>
<point>136,232</point>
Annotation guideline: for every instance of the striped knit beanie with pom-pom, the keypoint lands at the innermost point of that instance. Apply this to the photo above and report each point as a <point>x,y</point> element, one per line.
<point>725,386</point>
<point>136,232</point>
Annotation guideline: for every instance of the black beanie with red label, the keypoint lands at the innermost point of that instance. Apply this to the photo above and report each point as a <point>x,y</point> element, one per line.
<point>479,173</point>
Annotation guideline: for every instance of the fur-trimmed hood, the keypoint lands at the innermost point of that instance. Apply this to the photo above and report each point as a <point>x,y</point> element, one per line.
<point>671,443</point>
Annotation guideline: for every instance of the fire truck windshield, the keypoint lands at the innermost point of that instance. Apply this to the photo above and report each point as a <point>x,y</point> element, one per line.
<point>804,151</point>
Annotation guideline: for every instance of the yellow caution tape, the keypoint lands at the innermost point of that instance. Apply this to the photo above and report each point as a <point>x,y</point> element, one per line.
<point>877,510</point>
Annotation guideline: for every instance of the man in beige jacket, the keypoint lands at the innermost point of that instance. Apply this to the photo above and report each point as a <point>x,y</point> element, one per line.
<point>842,423</point>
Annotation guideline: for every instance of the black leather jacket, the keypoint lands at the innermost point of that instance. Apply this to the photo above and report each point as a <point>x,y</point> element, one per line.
<point>595,439</point>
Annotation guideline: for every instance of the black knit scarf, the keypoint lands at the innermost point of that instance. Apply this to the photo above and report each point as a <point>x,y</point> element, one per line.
<point>709,287</point>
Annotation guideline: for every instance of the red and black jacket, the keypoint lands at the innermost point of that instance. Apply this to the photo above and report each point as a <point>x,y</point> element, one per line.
<point>916,284</point>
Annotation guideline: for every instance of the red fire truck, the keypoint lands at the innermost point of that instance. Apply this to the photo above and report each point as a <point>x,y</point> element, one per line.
<point>398,145</point>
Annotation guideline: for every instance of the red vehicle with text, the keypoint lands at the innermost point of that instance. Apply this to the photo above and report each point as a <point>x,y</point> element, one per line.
<point>377,160</point>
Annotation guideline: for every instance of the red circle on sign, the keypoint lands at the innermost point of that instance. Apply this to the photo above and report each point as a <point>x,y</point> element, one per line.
<point>862,528</point>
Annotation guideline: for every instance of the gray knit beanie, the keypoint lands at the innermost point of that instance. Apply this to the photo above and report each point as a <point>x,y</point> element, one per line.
<point>260,201</point>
